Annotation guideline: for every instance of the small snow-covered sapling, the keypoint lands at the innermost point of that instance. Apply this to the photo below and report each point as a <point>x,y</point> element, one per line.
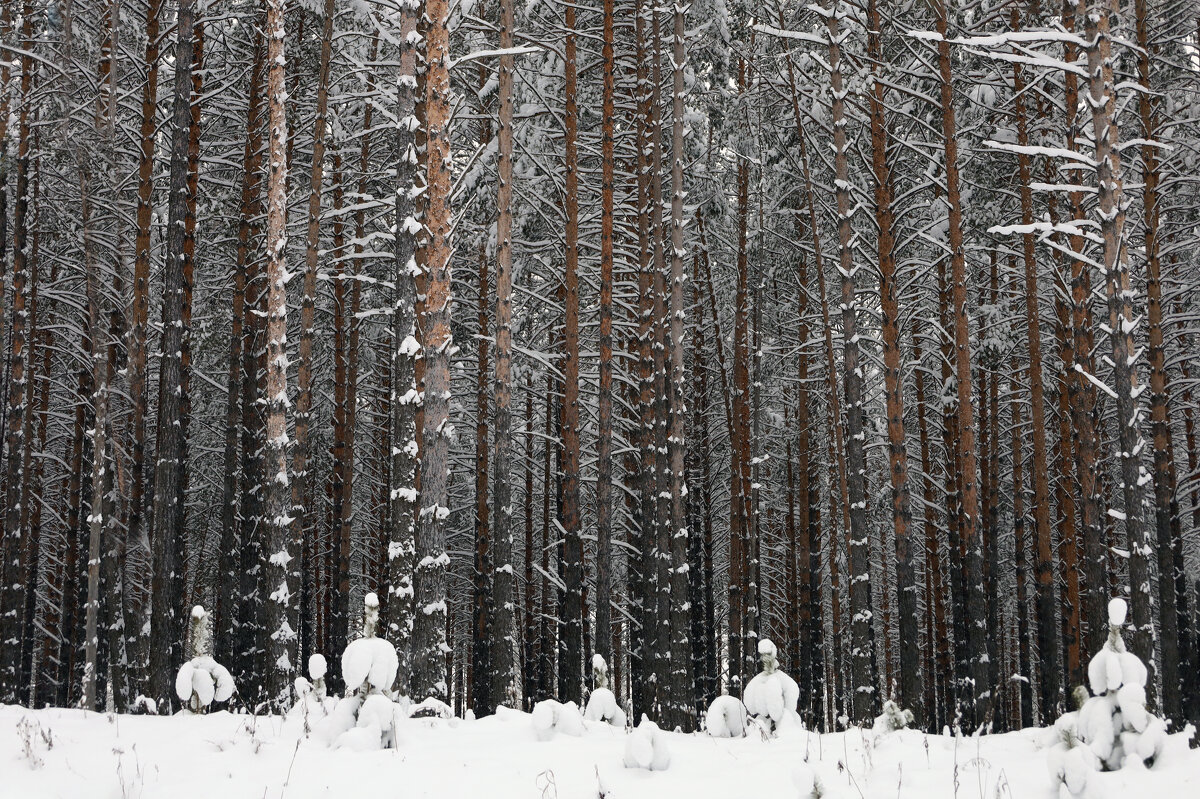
<point>646,747</point>
<point>369,664</point>
<point>1112,729</point>
<point>602,704</point>
<point>772,695</point>
<point>202,680</point>
<point>726,718</point>
<point>365,718</point>
<point>893,718</point>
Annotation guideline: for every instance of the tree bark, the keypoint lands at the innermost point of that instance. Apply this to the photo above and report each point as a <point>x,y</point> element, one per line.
<point>280,616</point>
<point>966,456</point>
<point>167,537</point>
<point>429,633</point>
<point>1122,325</point>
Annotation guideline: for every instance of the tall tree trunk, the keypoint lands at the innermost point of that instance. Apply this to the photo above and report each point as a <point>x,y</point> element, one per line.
<point>137,371</point>
<point>302,493</point>
<point>280,616</point>
<point>911,690</point>
<point>429,633</point>
<point>396,613</point>
<point>1048,644</point>
<point>1024,667</point>
<point>1166,508</point>
<point>167,538</point>
<point>1122,324</point>
<point>1083,415</point>
<point>572,622</point>
<point>479,681</point>
<point>14,587</point>
<point>642,568</point>
<point>966,456</point>
<point>682,688</point>
<point>340,479</point>
<point>864,703</point>
<point>739,662</point>
<point>502,634</point>
<point>604,444</point>
<point>233,515</point>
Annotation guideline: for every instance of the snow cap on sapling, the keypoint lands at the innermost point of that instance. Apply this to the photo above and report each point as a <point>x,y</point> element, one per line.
<point>768,654</point>
<point>370,615</point>
<point>599,671</point>
<point>1116,612</point>
<point>316,670</point>
<point>201,632</point>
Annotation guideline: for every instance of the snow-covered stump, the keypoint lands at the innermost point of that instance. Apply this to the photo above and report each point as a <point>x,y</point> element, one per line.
<point>646,747</point>
<point>551,718</point>
<point>202,680</point>
<point>366,717</point>
<point>1112,729</point>
<point>726,718</point>
<point>772,695</point>
<point>602,704</point>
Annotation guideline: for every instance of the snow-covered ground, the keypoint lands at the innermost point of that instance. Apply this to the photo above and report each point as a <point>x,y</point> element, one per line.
<point>80,755</point>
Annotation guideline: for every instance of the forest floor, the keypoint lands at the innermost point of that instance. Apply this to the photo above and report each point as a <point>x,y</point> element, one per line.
<point>76,755</point>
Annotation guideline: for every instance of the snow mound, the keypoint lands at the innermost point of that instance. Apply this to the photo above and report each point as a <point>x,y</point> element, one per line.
<point>726,718</point>
<point>602,706</point>
<point>646,747</point>
<point>431,708</point>
<point>773,696</point>
<point>201,681</point>
<point>317,666</point>
<point>551,718</point>
<point>370,663</point>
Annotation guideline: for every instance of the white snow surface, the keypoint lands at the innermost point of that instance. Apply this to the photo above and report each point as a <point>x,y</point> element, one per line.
<point>240,757</point>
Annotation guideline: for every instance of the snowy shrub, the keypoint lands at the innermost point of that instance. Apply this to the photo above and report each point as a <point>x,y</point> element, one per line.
<point>646,747</point>
<point>369,664</point>
<point>552,718</point>
<point>602,704</point>
<point>202,680</point>
<point>893,718</point>
<point>312,703</point>
<point>726,718</point>
<point>772,695</point>
<point>1112,729</point>
<point>365,718</point>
